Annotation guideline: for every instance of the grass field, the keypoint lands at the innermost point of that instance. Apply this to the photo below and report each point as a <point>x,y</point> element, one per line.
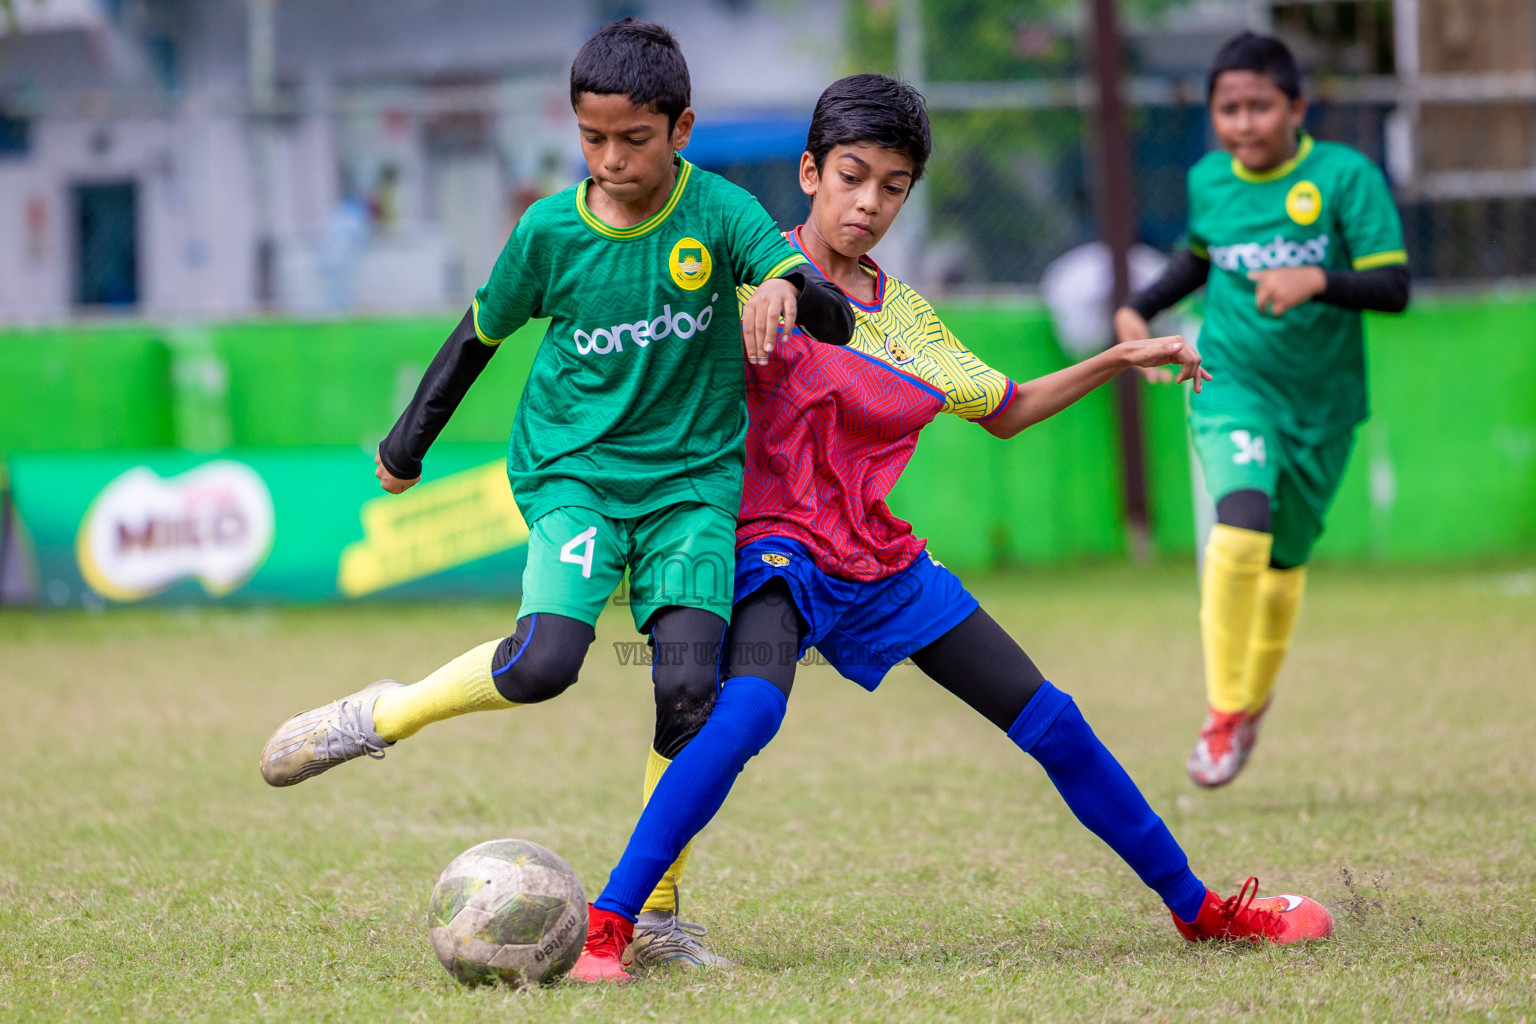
<point>891,857</point>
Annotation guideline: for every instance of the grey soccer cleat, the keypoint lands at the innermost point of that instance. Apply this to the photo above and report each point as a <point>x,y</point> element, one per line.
<point>309,743</point>
<point>661,939</point>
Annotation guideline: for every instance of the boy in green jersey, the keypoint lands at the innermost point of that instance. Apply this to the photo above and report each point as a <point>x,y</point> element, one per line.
<point>627,445</point>
<point>1292,238</point>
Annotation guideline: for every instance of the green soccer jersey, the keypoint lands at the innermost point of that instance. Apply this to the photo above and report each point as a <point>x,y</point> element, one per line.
<point>1328,206</point>
<point>635,399</point>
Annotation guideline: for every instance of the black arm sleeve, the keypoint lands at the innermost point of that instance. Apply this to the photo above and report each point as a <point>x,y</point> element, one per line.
<point>823,309</point>
<point>1384,289</point>
<point>452,371</point>
<point>1185,273</point>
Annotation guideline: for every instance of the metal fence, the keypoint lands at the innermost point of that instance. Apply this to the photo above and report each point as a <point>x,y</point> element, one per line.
<point>1013,171</point>
<point>388,195</point>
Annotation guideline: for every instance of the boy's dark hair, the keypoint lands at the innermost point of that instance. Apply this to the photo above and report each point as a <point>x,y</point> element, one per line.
<point>638,59</point>
<point>873,109</point>
<point>1263,55</point>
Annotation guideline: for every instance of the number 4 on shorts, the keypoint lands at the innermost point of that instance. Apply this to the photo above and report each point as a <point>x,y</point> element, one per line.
<point>587,540</point>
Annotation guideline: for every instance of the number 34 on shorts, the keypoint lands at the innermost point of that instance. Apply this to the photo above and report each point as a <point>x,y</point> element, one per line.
<point>1250,448</point>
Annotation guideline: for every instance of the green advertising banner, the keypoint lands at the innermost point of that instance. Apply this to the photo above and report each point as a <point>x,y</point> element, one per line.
<point>264,525</point>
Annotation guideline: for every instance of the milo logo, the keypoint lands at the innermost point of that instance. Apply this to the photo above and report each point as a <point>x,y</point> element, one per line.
<point>142,534</point>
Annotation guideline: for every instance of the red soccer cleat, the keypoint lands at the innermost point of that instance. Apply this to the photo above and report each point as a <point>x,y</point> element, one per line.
<point>602,958</point>
<point>1250,730</point>
<point>1222,749</point>
<point>1278,919</point>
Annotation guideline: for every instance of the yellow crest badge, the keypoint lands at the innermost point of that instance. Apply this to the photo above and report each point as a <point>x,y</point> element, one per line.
<point>898,351</point>
<point>1304,203</point>
<point>690,264</point>
<point>774,558</point>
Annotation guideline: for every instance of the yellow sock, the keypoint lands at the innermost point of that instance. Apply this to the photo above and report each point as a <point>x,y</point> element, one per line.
<point>664,897</point>
<point>1274,619</point>
<point>459,687</point>
<point>1235,559</point>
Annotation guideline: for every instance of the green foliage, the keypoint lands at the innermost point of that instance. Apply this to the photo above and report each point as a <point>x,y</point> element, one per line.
<point>968,40</point>
<point>982,40</point>
<point>871,32</point>
<point>1009,186</point>
<point>995,174</point>
<point>1001,187</point>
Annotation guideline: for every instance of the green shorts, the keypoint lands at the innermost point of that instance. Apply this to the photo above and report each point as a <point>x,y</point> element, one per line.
<point>683,554</point>
<point>1244,450</point>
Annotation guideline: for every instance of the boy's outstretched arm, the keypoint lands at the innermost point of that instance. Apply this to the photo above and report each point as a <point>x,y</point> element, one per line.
<point>444,385</point>
<point>1044,397</point>
<point>1185,274</point>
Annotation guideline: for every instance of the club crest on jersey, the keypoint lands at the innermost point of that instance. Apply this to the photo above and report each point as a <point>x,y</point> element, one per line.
<point>690,264</point>
<point>774,558</point>
<point>898,351</point>
<point>1304,203</point>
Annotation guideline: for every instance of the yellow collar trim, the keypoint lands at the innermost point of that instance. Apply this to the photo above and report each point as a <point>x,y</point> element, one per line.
<point>1303,151</point>
<point>684,170</point>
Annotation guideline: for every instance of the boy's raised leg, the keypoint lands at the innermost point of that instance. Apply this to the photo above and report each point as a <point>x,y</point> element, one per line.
<point>313,741</point>
<point>535,663</point>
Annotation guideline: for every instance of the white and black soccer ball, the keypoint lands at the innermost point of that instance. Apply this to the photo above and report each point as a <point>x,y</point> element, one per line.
<point>509,912</point>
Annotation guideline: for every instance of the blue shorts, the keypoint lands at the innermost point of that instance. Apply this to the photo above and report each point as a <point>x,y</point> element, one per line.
<point>862,629</point>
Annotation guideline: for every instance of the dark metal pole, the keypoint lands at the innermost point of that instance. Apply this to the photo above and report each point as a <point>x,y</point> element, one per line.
<point>1117,224</point>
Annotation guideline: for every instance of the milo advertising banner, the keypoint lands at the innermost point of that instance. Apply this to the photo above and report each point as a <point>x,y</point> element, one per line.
<point>264,525</point>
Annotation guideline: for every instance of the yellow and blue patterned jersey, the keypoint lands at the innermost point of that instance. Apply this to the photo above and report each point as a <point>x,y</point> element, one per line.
<point>832,428</point>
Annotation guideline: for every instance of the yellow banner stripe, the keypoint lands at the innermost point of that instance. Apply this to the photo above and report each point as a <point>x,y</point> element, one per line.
<point>684,170</point>
<point>479,332</point>
<point>1381,259</point>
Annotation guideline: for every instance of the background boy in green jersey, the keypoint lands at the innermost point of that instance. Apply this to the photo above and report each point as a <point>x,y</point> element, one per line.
<point>626,449</point>
<point>1292,238</point>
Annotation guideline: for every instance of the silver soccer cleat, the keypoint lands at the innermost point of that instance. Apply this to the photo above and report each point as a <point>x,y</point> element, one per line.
<point>661,939</point>
<point>309,743</point>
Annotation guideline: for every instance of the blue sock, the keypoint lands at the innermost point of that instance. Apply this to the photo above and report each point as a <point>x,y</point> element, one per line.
<point>746,716</point>
<point>1052,731</point>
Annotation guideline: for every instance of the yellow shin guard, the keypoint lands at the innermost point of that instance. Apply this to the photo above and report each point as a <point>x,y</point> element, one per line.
<point>1235,560</point>
<point>459,687</point>
<point>1274,619</point>
<point>664,897</point>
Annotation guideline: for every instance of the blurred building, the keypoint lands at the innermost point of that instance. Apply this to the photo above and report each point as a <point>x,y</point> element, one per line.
<point>220,158</point>
<point>224,157</point>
